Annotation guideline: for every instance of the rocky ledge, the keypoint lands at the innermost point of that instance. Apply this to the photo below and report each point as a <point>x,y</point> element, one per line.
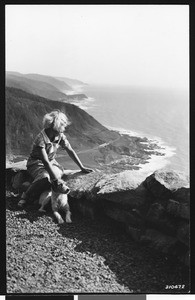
<point>154,211</point>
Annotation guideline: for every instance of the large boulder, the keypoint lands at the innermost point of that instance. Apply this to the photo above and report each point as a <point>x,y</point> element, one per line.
<point>157,218</point>
<point>164,185</point>
<point>121,196</point>
<point>158,240</point>
<point>124,189</point>
<point>182,195</point>
<point>177,209</point>
<point>183,233</point>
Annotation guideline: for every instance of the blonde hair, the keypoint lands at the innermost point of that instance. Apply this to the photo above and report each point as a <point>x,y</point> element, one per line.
<point>55,119</point>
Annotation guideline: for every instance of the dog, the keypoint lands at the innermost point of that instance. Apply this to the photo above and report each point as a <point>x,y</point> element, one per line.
<point>59,200</point>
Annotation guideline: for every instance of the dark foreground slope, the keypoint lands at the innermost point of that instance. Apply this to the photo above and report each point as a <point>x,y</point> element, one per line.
<point>24,114</point>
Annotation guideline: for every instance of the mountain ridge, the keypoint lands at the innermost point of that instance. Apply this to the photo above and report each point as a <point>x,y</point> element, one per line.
<point>44,86</point>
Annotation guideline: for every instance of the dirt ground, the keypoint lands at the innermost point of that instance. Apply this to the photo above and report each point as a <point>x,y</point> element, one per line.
<point>82,257</point>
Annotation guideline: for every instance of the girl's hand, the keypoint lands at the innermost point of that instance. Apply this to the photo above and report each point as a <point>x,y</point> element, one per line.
<point>86,170</point>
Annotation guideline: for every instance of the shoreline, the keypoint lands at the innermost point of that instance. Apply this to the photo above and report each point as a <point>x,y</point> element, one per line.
<point>155,161</point>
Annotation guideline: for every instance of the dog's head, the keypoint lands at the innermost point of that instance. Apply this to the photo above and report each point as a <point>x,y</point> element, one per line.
<point>59,186</point>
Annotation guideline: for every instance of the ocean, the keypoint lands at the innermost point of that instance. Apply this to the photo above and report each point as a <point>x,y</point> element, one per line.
<point>156,113</point>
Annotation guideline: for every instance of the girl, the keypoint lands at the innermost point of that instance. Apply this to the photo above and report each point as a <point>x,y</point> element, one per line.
<point>41,163</point>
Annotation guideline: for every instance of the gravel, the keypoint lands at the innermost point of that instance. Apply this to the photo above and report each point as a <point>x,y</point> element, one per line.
<point>82,257</point>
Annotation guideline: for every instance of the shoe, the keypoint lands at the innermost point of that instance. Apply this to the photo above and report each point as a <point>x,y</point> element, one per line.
<point>22,202</point>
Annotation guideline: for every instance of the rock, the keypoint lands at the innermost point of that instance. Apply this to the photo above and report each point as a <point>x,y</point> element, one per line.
<point>158,219</point>
<point>124,181</point>
<point>83,185</point>
<point>156,188</point>
<point>186,259</point>
<point>21,165</point>
<point>163,184</point>
<point>15,177</point>
<point>182,195</point>
<point>126,199</point>
<point>124,188</point>
<point>10,173</point>
<point>155,212</point>
<point>172,180</point>
<point>137,198</point>
<point>183,233</point>
<point>177,209</point>
<point>20,178</point>
<point>159,241</point>
<point>86,208</point>
<point>135,233</point>
<point>123,216</point>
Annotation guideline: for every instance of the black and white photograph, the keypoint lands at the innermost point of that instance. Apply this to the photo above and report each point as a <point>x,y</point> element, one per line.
<point>97,149</point>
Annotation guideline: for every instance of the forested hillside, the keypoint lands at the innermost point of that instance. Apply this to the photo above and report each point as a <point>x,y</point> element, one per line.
<point>24,114</point>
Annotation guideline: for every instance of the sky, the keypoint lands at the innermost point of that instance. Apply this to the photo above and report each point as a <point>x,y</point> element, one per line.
<point>140,45</point>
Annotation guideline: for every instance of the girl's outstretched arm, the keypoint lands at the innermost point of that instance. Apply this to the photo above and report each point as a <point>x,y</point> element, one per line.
<point>76,159</point>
